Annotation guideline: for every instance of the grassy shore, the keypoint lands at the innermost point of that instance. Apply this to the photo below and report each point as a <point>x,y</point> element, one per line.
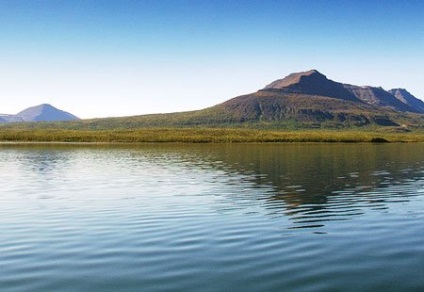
<point>204,135</point>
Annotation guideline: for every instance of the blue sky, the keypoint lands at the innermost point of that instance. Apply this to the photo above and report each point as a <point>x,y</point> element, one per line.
<point>116,58</point>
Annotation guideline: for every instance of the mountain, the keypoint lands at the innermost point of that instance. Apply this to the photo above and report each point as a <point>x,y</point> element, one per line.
<point>304,99</point>
<point>39,113</point>
<point>312,83</point>
<point>310,98</point>
<point>407,98</point>
<point>45,112</point>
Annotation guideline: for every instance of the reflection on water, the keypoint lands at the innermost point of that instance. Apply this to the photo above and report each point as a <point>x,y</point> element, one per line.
<point>310,184</point>
<point>212,217</point>
<point>315,183</point>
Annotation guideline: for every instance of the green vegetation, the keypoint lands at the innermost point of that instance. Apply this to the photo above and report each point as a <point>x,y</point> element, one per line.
<point>204,135</point>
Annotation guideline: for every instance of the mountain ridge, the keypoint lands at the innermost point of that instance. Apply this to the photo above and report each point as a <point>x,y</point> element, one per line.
<point>406,97</point>
<point>301,100</point>
<point>313,82</point>
<point>307,99</point>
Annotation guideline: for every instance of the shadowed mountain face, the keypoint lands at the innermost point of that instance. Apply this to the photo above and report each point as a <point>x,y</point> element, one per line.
<point>42,112</point>
<point>312,83</point>
<point>407,98</point>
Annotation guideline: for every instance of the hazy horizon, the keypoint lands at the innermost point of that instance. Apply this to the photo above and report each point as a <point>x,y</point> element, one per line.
<point>122,58</point>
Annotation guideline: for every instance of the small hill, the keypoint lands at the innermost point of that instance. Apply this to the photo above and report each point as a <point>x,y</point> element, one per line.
<point>44,112</point>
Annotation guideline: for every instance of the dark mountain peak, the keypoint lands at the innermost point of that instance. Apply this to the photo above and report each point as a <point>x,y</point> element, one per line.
<point>44,112</point>
<point>310,77</point>
<point>311,82</point>
<point>45,105</point>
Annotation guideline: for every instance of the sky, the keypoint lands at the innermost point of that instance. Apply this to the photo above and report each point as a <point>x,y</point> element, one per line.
<point>103,58</point>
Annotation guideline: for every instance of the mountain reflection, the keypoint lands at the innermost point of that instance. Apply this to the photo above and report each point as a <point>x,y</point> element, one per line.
<point>315,183</point>
<point>309,184</point>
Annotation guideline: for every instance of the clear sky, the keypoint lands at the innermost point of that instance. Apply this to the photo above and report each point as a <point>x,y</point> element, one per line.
<point>127,57</point>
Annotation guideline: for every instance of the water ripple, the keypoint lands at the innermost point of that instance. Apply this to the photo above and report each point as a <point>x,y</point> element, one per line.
<point>212,218</point>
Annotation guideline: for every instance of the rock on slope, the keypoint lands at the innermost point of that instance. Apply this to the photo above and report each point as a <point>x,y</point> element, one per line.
<point>407,98</point>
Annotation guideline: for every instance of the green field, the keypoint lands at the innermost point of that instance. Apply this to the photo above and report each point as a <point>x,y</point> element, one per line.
<point>205,135</point>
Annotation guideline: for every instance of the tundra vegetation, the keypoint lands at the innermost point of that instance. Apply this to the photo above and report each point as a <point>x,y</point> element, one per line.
<point>207,135</point>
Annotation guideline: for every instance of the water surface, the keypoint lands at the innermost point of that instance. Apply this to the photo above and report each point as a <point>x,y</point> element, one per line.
<point>212,217</point>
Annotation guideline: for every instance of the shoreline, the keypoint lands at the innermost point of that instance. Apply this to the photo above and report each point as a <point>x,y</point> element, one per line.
<point>203,135</point>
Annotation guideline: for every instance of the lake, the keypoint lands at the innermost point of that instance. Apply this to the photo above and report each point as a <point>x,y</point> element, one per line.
<point>212,217</point>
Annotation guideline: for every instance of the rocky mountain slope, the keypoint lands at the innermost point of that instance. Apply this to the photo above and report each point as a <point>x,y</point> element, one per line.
<point>407,98</point>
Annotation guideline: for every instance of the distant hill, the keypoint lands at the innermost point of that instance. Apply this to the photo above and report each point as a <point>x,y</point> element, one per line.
<point>39,113</point>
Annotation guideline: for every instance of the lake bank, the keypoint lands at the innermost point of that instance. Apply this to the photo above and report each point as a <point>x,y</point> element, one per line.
<point>204,135</point>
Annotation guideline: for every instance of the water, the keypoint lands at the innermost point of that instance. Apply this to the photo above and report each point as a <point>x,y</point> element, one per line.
<point>300,217</point>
